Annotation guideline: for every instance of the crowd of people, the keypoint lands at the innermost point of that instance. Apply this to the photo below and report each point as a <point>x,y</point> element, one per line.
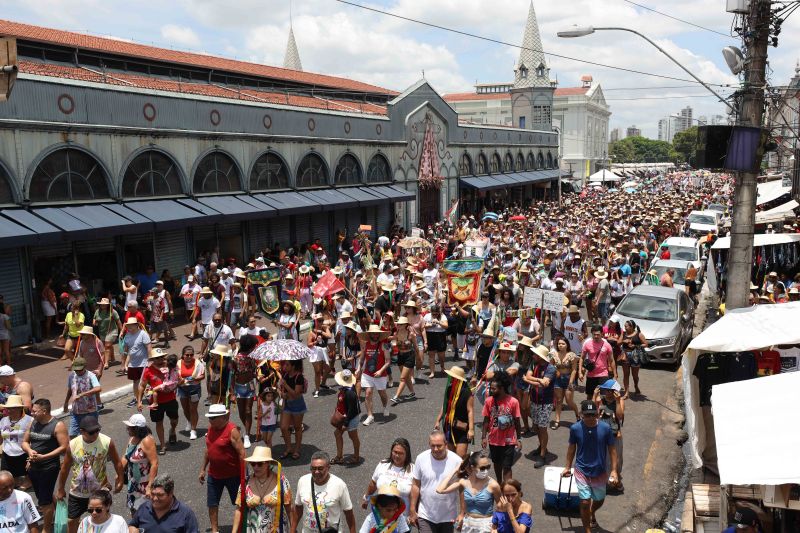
<point>393,327</point>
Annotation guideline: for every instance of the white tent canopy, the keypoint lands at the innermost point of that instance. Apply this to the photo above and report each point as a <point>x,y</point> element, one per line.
<point>771,190</point>
<point>761,239</point>
<point>604,175</point>
<point>748,328</point>
<point>757,441</point>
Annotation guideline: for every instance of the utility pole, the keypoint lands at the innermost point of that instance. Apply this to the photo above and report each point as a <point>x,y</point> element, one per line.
<point>740,257</point>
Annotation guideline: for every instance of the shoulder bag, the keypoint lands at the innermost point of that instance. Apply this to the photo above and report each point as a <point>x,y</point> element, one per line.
<point>321,529</point>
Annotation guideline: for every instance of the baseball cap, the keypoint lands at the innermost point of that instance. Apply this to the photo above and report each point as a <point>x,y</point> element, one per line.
<point>745,517</point>
<point>588,407</point>
<point>136,421</point>
<point>79,363</point>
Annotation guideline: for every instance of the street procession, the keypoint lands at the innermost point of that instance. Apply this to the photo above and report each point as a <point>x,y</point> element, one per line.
<point>238,297</point>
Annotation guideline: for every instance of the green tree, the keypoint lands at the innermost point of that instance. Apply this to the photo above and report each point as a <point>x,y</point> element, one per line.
<point>641,150</point>
<point>685,144</point>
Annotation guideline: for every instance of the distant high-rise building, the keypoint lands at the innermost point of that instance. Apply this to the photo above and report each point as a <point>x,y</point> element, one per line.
<point>702,120</point>
<point>614,135</point>
<point>685,120</point>
<point>633,131</point>
<point>717,120</point>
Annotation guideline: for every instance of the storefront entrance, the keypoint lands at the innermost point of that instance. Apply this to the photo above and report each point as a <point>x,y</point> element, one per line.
<point>429,212</point>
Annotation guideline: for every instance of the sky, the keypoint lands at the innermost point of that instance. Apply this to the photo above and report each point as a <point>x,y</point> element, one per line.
<point>340,39</point>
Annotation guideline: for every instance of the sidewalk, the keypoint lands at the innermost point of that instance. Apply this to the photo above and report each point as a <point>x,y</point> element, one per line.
<point>40,365</point>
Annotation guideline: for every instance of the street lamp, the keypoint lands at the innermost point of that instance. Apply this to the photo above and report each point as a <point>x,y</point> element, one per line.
<point>582,31</point>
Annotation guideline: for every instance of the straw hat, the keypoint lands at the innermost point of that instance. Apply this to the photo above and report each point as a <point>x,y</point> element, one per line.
<point>402,320</point>
<point>352,326</point>
<point>157,353</point>
<point>13,400</point>
<point>304,269</point>
<point>104,301</point>
<point>601,273</point>
<point>206,290</point>
<point>527,341</point>
<point>261,454</point>
<point>374,329</point>
<point>132,322</point>
<point>216,409</point>
<point>345,378</point>
<point>542,351</point>
<point>507,347</point>
<point>345,314</point>
<point>456,372</point>
<point>222,350</point>
<point>87,330</point>
<point>411,303</point>
<point>389,286</point>
<point>337,271</point>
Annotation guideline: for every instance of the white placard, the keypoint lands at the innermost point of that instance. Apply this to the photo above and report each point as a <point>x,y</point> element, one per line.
<point>553,301</point>
<point>540,298</point>
<point>532,298</point>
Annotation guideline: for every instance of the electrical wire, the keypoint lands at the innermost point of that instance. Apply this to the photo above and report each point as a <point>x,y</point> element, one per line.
<point>661,97</point>
<point>505,43</point>
<point>679,20</point>
<point>657,87</point>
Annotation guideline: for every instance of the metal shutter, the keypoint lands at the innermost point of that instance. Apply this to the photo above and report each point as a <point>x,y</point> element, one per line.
<point>204,239</point>
<point>230,240</point>
<point>321,229</point>
<point>385,217</point>
<point>339,224</point>
<point>353,220</point>
<point>372,219</point>
<point>279,232</point>
<point>11,287</point>
<point>258,237</point>
<point>302,229</point>
<point>54,250</point>
<point>107,244</point>
<point>171,252</point>
<point>142,238</point>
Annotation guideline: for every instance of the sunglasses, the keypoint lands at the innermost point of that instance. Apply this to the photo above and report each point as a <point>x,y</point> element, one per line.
<point>95,510</point>
<point>484,468</point>
<point>258,464</point>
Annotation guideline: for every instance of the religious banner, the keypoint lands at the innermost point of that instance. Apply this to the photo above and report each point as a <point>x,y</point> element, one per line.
<point>463,280</point>
<point>267,285</point>
<point>429,175</point>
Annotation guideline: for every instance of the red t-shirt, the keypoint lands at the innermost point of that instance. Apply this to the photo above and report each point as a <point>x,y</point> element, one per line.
<point>155,377</point>
<point>139,317</point>
<point>502,430</point>
<point>768,363</point>
<point>374,358</point>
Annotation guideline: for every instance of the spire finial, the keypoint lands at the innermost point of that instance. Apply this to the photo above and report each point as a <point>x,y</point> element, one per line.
<point>531,67</point>
<point>292,58</point>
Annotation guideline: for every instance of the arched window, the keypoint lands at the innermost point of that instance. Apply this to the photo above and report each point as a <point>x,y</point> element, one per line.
<point>151,173</point>
<point>348,171</point>
<point>68,174</point>
<point>549,160</point>
<point>539,161</point>
<point>530,162</point>
<point>496,164</point>
<point>312,172</point>
<point>216,172</point>
<point>269,172</point>
<point>520,166</point>
<point>378,170</point>
<point>6,194</point>
<point>508,163</point>
<point>465,165</point>
<point>482,165</point>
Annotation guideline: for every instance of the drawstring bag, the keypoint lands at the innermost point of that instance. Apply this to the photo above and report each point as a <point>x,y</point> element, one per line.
<point>60,518</point>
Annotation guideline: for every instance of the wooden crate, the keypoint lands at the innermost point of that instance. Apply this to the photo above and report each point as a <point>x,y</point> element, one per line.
<point>706,499</point>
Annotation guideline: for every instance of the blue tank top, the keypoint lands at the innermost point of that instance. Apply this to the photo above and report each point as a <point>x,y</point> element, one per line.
<point>481,503</point>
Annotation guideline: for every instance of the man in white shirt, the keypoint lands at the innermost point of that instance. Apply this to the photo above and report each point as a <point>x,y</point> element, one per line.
<point>332,500</point>
<point>207,305</point>
<point>251,328</point>
<point>227,281</point>
<point>217,333</point>
<point>18,514</point>
<point>430,511</point>
<point>189,293</point>
<point>431,277</point>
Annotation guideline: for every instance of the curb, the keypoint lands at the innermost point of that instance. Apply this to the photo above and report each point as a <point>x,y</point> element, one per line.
<point>109,396</point>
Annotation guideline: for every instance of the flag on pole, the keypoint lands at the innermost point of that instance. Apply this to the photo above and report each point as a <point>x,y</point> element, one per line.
<point>452,213</point>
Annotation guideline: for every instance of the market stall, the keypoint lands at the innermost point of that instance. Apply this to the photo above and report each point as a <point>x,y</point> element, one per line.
<point>772,252</point>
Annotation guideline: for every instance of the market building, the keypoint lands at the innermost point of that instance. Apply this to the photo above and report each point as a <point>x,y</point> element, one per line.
<point>580,114</point>
<point>116,156</point>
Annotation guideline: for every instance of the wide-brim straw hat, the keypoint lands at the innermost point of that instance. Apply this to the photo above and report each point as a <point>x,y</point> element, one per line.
<point>352,326</point>
<point>157,353</point>
<point>13,400</point>
<point>104,301</point>
<point>402,320</point>
<point>456,372</point>
<point>87,330</point>
<point>132,322</point>
<point>345,378</point>
<point>542,351</point>
<point>222,350</point>
<point>261,454</point>
<point>411,303</point>
<point>527,341</point>
<point>374,329</point>
<point>389,286</point>
<point>601,273</point>
<point>507,347</point>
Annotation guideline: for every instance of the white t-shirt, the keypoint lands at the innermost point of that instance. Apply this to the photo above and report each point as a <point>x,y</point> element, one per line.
<point>224,337</point>
<point>332,499</point>
<point>399,478</point>
<point>433,507</point>
<point>16,512</point>
<point>131,296</point>
<point>189,294</point>
<point>228,284</point>
<point>429,276</point>
<point>247,331</point>
<point>207,308</point>
<point>114,524</point>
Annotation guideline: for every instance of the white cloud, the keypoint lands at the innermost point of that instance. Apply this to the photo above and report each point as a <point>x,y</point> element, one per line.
<point>180,35</point>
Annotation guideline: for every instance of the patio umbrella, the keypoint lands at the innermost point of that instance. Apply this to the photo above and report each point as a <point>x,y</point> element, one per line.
<point>414,242</point>
<point>516,218</point>
<point>490,216</point>
<point>280,350</point>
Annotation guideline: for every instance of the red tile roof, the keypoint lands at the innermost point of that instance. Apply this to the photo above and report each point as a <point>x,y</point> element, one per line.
<point>466,97</point>
<point>203,89</point>
<point>102,44</point>
<point>571,91</point>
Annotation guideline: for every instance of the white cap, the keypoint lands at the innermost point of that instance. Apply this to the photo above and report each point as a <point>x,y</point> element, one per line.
<point>190,278</point>
<point>6,370</point>
<point>136,421</point>
<point>259,259</point>
<point>216,409</point>
<point>226,271</point>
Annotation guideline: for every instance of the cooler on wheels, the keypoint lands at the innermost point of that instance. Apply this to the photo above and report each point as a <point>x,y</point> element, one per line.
<point>560,493</point>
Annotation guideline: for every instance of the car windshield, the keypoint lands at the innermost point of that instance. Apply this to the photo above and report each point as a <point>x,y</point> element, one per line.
<point>649,308</point>
<point>702,219</point>
<point>716,207</point>
<point>680,273</point>
<point>684,253</point>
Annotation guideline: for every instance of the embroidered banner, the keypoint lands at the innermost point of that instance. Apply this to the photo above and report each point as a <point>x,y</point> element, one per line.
<point>463,280</point>
<point>266,283</point>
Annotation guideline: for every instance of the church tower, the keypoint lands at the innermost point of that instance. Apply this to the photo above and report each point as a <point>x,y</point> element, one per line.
<point>532,94</point>
<point>292,58</point>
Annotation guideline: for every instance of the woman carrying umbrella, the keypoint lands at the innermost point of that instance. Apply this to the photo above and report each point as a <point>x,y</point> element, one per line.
<point>266,505</point>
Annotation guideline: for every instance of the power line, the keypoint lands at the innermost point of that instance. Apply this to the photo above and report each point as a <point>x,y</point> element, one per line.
<point>653,88</point>
<point>504,43</point>
<point>662,97</point>
<point>679,20</point>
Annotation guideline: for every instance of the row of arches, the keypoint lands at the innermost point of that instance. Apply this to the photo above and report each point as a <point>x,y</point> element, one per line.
<point>508,163</point>
<point>73,173</point>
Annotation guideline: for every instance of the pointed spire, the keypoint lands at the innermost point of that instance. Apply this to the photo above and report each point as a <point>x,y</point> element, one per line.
<point>531,68</point>
<point>292,58</point>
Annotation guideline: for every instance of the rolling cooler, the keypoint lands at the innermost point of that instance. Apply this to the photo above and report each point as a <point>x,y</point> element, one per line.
<point>560,493</point>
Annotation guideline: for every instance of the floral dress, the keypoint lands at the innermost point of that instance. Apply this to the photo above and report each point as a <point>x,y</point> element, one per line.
<point>263,513</point>
<point>138,474</point>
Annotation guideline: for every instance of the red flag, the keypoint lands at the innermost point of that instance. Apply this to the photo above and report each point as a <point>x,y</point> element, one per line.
<point>327,285</point>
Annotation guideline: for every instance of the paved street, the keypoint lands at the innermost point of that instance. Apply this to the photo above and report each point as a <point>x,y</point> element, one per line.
<point>645,456</point>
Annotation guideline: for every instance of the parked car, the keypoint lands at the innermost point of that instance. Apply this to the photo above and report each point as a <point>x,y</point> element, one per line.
<point>686,248</point>
<point>666,317</point>
<point>703,222</point>
<point>678,265</point>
